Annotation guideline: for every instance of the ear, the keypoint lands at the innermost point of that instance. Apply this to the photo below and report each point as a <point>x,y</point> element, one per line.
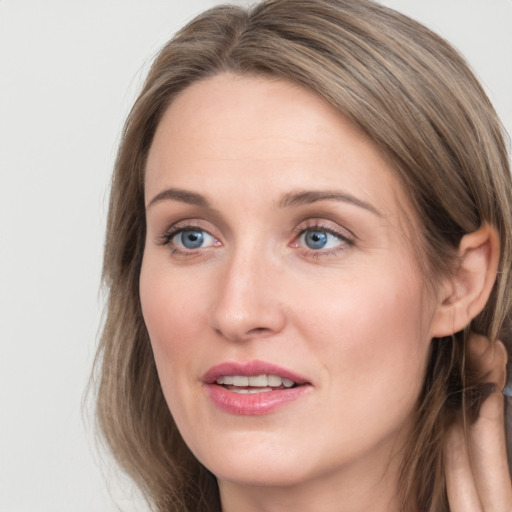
<point>464,294</point>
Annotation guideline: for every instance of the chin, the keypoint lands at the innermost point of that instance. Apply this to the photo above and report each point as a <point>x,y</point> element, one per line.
<point>260,472</point>
<point>255,459</point>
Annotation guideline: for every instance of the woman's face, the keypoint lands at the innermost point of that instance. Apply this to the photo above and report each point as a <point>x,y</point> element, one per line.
<point>279,286</point>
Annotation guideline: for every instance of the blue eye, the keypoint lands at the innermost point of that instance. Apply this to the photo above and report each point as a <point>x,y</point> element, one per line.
<point>192,239</point>
<point>317,239</point>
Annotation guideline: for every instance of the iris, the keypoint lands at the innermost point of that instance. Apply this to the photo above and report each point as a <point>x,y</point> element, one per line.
<point>192,239</point>
<point>315,239</point>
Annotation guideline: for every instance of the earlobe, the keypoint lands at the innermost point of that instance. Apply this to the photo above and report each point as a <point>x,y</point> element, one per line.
<point>465,293</point>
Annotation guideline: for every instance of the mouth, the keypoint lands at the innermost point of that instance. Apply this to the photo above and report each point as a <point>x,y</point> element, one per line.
<point>244,384</point>
<point>253,388</point>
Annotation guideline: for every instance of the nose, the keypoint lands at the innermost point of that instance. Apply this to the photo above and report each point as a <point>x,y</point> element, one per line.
<point>247,301</point>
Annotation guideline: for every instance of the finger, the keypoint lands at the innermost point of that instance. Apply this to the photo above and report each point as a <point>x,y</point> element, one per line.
<point>486,437</point>
<point>460,483</point>
<point>488,451</point>
<point>490,359</point>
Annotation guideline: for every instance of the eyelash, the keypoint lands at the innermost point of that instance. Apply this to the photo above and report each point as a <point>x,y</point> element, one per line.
<point>346,241</point>
<point>167,237</point>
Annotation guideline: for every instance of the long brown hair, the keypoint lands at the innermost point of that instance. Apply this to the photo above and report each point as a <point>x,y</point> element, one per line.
<point>415,97</point>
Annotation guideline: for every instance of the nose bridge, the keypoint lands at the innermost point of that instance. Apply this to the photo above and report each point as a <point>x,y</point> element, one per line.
<point>247,304</point>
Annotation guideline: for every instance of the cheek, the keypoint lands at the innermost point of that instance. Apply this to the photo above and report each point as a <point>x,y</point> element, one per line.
<point>372,337</point>
<point>171,310</point>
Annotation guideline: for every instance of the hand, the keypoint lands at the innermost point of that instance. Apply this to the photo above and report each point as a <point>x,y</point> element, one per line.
<point>477,474</point>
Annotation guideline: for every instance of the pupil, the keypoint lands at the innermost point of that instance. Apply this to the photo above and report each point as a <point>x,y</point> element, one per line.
<point>316,239</point>
<point>192,239</point>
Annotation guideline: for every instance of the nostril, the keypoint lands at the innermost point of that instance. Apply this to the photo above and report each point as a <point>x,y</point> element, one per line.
<point>258,331</point>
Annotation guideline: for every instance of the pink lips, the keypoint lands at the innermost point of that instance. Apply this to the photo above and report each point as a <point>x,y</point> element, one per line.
<point>257,403</point>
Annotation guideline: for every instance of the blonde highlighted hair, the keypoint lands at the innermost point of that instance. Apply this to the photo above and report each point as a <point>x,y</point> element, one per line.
<point>415,98</point>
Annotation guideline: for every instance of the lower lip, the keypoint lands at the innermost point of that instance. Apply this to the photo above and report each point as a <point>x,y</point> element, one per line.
<point>253,404</point>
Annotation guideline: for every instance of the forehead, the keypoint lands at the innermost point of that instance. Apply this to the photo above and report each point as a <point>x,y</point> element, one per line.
<point>263,137</point>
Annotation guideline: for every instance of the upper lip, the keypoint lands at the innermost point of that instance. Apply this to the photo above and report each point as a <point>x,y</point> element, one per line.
<point>250,369</point>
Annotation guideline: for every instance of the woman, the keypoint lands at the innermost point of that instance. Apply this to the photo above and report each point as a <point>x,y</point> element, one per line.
<point>308,249</point>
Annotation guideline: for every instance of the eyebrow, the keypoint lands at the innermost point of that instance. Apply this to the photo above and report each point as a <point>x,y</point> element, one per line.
<point>184,196</point>
<point>313,196</point>
<point>287,200</point>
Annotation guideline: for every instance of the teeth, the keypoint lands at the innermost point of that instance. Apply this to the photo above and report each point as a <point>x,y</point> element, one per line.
<point>287,383</point>
<point>240,380</point>
<point>274,380</point>
<point>258,381</point>
<point>244,391</point>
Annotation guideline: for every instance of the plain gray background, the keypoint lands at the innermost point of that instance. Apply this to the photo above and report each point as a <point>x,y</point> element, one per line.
<point>69,71</point>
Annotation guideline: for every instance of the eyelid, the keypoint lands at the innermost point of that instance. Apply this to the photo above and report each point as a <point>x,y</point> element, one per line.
<point>346,237</point>
<point>165,238</point>
<point>325,225</point>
